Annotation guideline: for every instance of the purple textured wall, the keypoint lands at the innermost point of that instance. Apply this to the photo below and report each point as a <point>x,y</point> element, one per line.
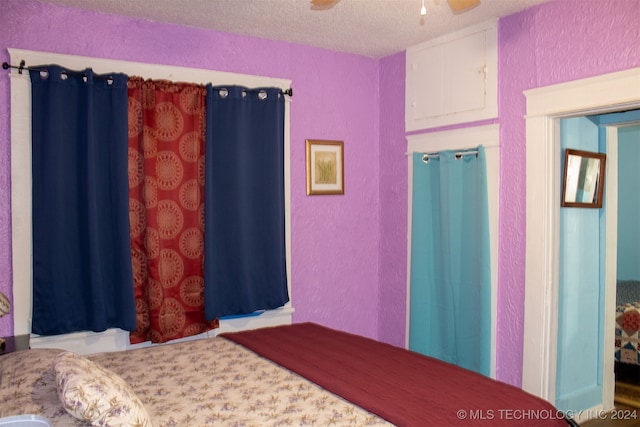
<point>555,42</point>
<point>335,239</point>
<point>393,202</point>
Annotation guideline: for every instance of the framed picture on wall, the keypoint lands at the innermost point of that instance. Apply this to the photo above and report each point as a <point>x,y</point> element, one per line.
<point>325,167</point>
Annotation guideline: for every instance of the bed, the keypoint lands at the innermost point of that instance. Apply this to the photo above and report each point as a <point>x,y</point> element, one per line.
<point>627,348</point>
<point>300,374</point>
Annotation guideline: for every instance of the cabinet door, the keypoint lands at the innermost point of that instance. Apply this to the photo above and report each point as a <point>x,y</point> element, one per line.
<point>452,79</point>
<point>427,79</point>
<point>465,77</point>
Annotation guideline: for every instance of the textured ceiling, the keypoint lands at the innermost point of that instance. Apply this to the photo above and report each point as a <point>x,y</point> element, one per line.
<point>373,28</point>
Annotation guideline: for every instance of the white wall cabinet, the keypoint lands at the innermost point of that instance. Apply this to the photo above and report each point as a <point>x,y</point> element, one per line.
<point>453,79</point>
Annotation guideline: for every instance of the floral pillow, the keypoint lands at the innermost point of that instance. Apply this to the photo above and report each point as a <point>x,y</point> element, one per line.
<point>93,393</point>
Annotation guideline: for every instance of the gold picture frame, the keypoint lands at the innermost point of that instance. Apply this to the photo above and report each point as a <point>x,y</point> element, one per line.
<point>325,167</point>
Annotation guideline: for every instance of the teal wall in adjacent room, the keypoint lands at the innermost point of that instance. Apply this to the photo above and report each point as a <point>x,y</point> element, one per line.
<point>580,308</point>
<point>582,258</point>
<point>628,203</point>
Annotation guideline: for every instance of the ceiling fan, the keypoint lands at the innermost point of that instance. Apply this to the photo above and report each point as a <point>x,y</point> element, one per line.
<point>457,6</point>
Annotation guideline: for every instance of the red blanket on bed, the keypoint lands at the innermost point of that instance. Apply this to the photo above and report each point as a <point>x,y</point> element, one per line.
<point>403,387</point>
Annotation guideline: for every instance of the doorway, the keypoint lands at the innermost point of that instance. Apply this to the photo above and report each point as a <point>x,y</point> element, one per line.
<point>545,106</point>
<point>622,132</point>
<point>594,275</point>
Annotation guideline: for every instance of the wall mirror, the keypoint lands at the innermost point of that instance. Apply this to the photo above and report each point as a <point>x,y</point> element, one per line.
<point>583,184</point>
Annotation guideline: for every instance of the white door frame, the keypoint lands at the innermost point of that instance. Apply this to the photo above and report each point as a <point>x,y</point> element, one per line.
<point>610,266</point>
<point>595,95</point>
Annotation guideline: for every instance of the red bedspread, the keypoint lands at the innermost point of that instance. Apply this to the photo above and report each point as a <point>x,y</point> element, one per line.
<point>403,387</point>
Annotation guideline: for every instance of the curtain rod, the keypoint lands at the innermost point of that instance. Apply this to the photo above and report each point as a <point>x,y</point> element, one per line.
<point>458,155</point>
<point>435,155</point>
<point>22,66</point>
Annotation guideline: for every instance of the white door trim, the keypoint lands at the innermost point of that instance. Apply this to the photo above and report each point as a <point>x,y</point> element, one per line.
<point>595,95</point>
<point>611,266</point>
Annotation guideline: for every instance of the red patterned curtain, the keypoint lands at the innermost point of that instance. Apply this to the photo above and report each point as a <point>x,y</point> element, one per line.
<point>166,208</point>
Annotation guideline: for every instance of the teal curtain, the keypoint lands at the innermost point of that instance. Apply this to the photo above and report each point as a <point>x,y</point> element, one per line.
<point>450,297</point>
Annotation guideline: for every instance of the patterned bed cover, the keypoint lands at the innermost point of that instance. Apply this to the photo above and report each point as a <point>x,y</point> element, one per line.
<point>217,382</point>
<point>208,382</point>
<point>404,387</point>
<point>627,329</point>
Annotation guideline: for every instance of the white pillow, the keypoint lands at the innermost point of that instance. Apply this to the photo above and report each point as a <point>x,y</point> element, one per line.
<point>95,394</point>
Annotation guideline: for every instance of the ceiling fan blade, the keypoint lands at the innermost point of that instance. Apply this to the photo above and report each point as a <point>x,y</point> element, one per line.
<point>459,6</point>
<point>323,4</point>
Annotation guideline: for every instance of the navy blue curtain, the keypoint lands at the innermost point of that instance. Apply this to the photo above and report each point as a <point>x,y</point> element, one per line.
<point>245,268</point>
<point>82,276</point>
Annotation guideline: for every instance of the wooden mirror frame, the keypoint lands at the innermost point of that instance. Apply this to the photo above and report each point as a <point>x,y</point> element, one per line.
<point>577,173</point>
